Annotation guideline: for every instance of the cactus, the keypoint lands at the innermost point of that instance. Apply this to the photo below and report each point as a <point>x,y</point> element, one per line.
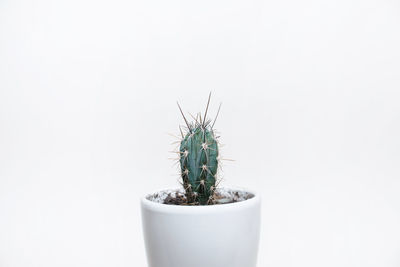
<point>198,157</point>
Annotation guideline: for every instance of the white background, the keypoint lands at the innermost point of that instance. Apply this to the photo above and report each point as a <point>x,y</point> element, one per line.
<point>311,114</point>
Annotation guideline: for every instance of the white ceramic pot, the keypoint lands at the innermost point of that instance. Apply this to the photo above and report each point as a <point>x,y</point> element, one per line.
<point>224,235</point>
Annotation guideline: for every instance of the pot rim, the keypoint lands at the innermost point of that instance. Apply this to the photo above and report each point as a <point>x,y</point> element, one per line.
<point>180,209</point>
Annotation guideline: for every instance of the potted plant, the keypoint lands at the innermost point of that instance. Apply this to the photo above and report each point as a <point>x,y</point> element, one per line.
<point>201,225</point>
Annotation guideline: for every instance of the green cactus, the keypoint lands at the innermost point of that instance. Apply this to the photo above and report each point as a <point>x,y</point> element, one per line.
<point>198,157</point>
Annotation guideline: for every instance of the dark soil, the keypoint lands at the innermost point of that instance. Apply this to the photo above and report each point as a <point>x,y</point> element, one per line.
<point>180,199</point>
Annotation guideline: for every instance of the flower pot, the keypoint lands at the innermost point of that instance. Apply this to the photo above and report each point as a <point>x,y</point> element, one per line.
<point>223,235</point>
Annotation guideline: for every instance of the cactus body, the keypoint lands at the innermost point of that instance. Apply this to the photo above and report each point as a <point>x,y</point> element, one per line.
<point>198,159</point>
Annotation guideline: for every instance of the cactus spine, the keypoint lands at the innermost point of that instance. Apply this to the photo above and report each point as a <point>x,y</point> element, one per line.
<point>198,157</point>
